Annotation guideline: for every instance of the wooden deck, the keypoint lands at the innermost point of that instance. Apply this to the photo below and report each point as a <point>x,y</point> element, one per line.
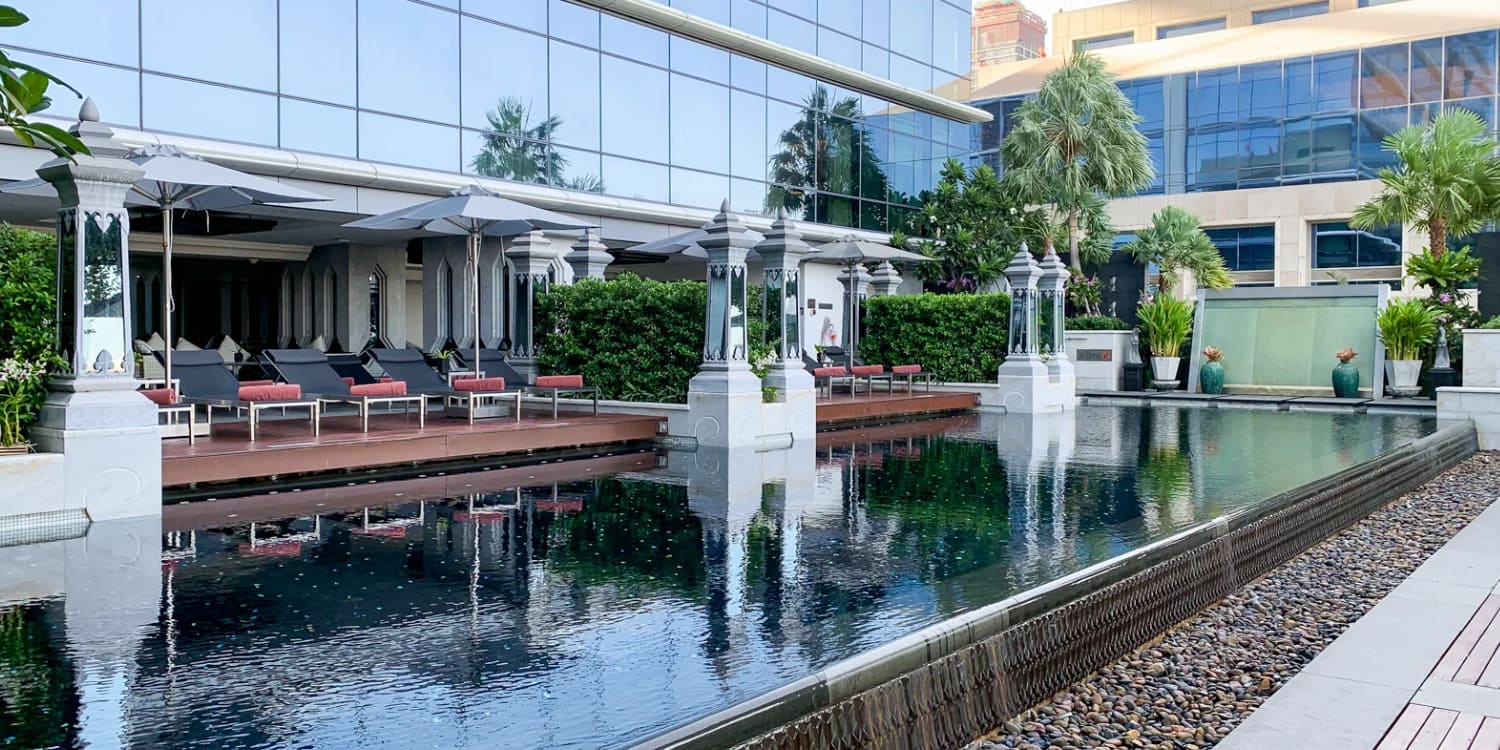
<point>844,408</point>
<point>1472,659</point>
<point>287,447</point>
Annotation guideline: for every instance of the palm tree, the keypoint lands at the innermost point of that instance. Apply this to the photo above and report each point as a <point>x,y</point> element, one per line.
<point>1073,142</point>
<point>1447,181</point>
<point>827,150</point>
<point>516,149</point>
<point>1175,244</point>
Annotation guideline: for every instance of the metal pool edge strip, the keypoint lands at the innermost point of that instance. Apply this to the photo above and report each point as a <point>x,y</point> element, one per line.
<point>954,680</point>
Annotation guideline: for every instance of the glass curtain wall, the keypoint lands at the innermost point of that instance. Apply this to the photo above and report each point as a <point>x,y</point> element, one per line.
<point>539,91</point>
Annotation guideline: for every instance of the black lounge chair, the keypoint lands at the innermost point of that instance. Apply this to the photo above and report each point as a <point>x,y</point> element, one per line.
<point>859,370</point>
<point>309,368</point>
<point>206,380</point>
<point>410,366</point>
<point>492,364</point>
<point>349,366</point>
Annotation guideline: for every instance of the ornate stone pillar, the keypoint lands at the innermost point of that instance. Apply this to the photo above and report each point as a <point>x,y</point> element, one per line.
<point>107,432</point>
<point>531,256</point>
<point>724,398</point>
<point>1052,297</point>
<point>589,257</point>
<point>885,279</point>
<point>856,281</point>
<point>782,252</point>
<point>1025,382</point>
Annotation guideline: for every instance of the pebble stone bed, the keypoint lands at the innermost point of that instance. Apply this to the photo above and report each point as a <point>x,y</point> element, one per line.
<point>1188,689</point>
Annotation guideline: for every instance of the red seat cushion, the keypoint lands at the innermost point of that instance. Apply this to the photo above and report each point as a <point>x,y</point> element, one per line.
<point>160,396</point>
<point>393,388</point>
<point>282,392</point>
<point>244,383</point>
<point>560,381</point>
<point>479,384</point>
<point>830,372</point>
<point>869,370</point>
<point>348,381</point>
<point>906,369</point>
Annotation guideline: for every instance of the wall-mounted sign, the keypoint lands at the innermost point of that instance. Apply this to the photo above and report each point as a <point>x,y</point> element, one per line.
<point>1096,355</point>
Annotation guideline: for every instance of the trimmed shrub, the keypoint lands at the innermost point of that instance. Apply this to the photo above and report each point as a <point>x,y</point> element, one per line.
<point>27,338</point>
<point>1097,323</point>
<point>957,337</point>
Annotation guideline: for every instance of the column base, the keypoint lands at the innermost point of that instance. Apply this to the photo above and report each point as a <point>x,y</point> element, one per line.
<point>110,443</point>
<point>724,407</point>
<point>799,400</point>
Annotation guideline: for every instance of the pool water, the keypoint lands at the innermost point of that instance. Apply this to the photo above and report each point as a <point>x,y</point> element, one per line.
<point>596,603</point>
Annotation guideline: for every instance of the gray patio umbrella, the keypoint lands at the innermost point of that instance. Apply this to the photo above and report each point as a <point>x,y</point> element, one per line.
<point>685,244</point>
<point>175,179</point>
<point>475,212</point>
<point>852,251</point>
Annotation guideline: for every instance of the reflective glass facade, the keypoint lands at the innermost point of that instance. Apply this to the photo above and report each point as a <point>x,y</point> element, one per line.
<point>1299,120</point>
<point>536,90</point>
<point>1250,248</point>
<point>1337,245</point>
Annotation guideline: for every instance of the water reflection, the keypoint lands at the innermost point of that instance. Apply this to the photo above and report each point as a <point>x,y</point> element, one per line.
<point>597,602</point>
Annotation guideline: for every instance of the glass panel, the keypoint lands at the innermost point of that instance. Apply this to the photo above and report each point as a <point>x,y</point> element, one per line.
<point>806,8</point>
<point>1103,42</point>
<point>1289,12</point>
<point>318,50</point>
<point>1333,144</point>
<point>408,60</point>
<point>747,135</point>
<point>176,106</point>
<point>837,211</point>
<point>1334,82</point>
<point>573,23</point>
<point>1212,159</point>
<point>737,310</point>
<point>1189,28</point>
<point>792,32</point>
<point>1483,106</point>
<point>911,73</point>
<point>747,74</point>
<point>877,22</point>
<point>175,38</point>
<point>317,128</point>
<point>104,332</point>
<point>504,84</point>
<point>701,125</point>
<point>579,170</point>
<point>531,14</point>
<point>575,94</point>
<point>703,61</point>
<point>1383,76</point>
<point>635,103</point>
<point>747,196</point>
<point>1146,98</point>
<point>1337,245</point>
<point>698,189</point>
<point>636,179</point>
<point>1214,98</point>
<point>633,41</point>
<point>109,36</point>
<point>718,305</point>
<point>1298,86</point>
<point>791,309</point>
<point>845,149</point>
<point>913,21</point>
<point>395,140</point>
<point>843,15</point>
<point>1260,153</point>
<point>1427,70</point>
<point>1296,146</point>
<point>1261,95</point>
<point>1246,248</point>
<point>873,181</point>
<point>835,47</point>
<point>748,16</point>
<point>788,129</point>
<point>951,38</point>
<point>1374,126</point>
<point>713,10</point>
<point>873,216</point>
<point>115,91</point>
<point>1470,70</point>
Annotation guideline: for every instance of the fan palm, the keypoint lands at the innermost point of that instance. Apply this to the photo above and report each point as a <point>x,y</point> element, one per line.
<point>1447,180</point>
<point>516,148</point>
<point>1075,141</point>
<point>1175,243</point>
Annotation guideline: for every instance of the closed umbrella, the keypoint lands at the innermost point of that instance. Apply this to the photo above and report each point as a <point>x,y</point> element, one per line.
<point>174,179</point>
<point>475,212</point>
<point>852,251</point>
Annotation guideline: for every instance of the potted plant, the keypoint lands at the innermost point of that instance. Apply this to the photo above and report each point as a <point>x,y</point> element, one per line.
<point>1405,327</point>
<point>1345,374</point>
<point>1167,322</point>
<point>1211,374</point>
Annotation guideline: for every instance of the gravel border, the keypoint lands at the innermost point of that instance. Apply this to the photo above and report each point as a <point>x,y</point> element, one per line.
<point>1191,687</point>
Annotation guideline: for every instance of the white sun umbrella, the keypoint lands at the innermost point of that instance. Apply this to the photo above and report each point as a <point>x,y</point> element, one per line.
<point>175,179</point>
<point>685,244</point>
<point>852,251</point>
<point>476,213</point>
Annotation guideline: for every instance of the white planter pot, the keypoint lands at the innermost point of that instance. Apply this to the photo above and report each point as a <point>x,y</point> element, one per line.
<point>1403,376</point>
<point>1164,372</point>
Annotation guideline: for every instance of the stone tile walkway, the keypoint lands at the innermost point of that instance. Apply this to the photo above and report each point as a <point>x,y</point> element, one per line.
<point>1421,670</point>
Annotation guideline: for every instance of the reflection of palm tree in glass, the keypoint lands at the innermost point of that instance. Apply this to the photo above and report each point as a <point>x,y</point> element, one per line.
<point>515,148</point>
<point>828,150</point>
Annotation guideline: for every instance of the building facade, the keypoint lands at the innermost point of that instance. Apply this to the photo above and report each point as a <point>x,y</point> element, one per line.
<point>1006,31</point>
<point>825,107</point>
<point>1134,21</point>
<point>1272,134</point>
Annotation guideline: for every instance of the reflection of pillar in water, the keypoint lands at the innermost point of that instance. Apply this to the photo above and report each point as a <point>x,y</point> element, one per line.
<point>724,491</point>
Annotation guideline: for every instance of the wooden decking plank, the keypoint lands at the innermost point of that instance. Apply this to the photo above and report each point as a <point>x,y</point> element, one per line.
<point>1434,730</point>
<point>1454,657</point>
<point>1488,737</point>
<point>1490,678</point>
<point>1405,728</point>
<point>1480,655</point>
<point>1462,733</point>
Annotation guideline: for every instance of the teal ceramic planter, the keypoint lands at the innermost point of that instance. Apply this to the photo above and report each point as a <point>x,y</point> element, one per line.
<point>1211,377</point>
<point>1345,380</point>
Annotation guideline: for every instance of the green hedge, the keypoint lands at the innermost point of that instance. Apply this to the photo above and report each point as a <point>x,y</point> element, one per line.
<point>27,301</point>
<point>1097,323</point>
<point>957,337</point>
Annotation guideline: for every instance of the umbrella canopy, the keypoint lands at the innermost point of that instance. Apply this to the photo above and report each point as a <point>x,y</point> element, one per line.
<point>686,244</point>
<point>175,179</point>
<point>851,249</point>
<point>475,212</point>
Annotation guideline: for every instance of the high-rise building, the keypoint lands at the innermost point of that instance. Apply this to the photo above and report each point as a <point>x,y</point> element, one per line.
<point>1006,31</point>
<point>1271,133</point>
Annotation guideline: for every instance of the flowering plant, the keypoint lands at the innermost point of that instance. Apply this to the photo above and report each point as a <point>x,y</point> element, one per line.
<point>1213,354</point>
<point>1085,294</point>
<point>1346,354</point>
<point>19,380</point>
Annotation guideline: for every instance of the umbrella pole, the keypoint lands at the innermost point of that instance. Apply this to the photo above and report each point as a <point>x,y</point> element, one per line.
<point>168,304</point>
<point>475,239</point>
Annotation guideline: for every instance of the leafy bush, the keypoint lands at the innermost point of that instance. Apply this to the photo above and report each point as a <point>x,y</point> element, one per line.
<point>1166,323</point>
<point>1443,273</point>
<point>1405,327</point>
<point>27,338</point>
<point>956,337</point>
<point>1492,323</point>
<point>1097,323</point>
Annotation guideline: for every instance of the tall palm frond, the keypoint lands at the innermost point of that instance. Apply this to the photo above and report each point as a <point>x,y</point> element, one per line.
<point>1175,243</point>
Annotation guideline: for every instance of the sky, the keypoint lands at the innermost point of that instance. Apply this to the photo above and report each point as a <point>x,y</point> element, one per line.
<point>1045,9</point>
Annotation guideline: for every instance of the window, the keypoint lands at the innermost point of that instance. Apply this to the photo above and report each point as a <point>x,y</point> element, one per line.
<point>1373,3</point>
<point>1374,126</point>
<point>1246,248</point>
<point>177,106</point>
<point>1334,81</point>
<point>176,38</point>
<point>1192,27</point>
<point>408,62</point>
<point>318,51</point>
<point>1289,12</point>
<point>1336,245</point>
<point>1103,42</point>
<point>1383,76</point>
<point>1470,69</point>
<point>1426,70</point>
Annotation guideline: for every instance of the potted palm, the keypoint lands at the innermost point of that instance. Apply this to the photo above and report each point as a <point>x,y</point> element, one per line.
<point>1167,322</point>
<point>1405,327</point>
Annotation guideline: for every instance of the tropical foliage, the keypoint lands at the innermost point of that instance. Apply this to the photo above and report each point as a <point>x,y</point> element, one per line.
<point>1443,273</point>
<point>1447,180</point>
<point>1166,323</point>
<point>827,150</point>
<point>1074,144</point>
<point>1174,243</point>
<point>24,88</point>
<point>27,337</point>
<point>956,337</point>
<point>1405,327</point>
<point>516,148</point>
<point>1097,323</point>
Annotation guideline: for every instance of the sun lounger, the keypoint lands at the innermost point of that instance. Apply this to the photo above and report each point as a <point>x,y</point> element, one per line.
<point>492,363</point>
<point>309,369</point>
<point>857,369</point>
<point>470,394</point>
<point>179,418</point>
<point>205,380</point>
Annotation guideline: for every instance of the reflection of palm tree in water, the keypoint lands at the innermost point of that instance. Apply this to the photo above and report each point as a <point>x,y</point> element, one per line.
<point>516,149</point>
